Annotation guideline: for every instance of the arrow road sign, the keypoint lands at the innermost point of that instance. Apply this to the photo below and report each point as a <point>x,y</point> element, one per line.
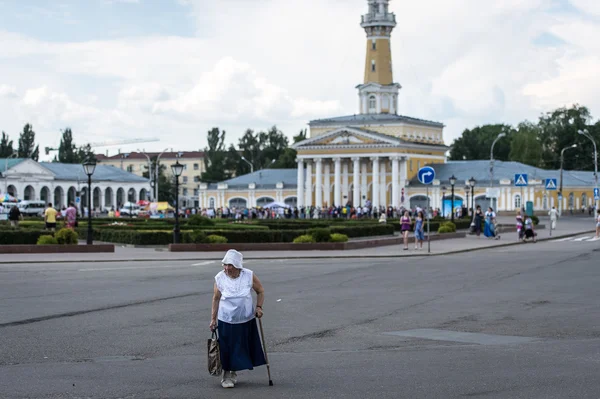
<point>426,175</point>
<point>521,180</point>
<point>596,194</point>
<point>550,184</point>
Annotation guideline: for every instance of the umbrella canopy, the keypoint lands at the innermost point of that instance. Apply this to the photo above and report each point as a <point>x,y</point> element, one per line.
<point>7,198</point>
<point>276,205</point>
<point>160,206</point>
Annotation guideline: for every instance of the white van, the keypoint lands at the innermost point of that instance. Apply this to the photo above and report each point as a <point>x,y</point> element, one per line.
<point>32,208</point>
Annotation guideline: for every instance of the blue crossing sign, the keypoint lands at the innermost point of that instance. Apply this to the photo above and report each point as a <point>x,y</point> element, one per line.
<point>551,184</point>
<point>426,175</point>
<point>521,180</point>
<point>596,194</point>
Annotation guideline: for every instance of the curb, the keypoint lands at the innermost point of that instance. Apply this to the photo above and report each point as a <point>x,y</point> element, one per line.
<point>217,258</point>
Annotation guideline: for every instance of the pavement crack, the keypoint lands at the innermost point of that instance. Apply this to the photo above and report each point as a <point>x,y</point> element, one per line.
<point>100,309</point>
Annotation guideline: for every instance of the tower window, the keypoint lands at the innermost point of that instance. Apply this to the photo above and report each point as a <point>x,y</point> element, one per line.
<point>372,65</point>
<point>374,45</point>
<point>372,104</point>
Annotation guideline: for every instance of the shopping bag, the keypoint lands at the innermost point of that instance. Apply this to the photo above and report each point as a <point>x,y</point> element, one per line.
<point>214,355</point>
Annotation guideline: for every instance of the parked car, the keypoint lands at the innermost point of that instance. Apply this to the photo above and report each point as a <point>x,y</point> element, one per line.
<point>32,208</point>
<point>130,209</point>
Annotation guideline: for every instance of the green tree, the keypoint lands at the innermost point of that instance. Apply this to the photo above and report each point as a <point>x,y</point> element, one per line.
<point>475,144</point>
<point>215,158</point>
<point>27,146</point>
<point>287,160</point>
<point>85,152</point>
<point>67,152</point>
<point>6,146</point>
<point>526,145</point>
<point>166,184</point>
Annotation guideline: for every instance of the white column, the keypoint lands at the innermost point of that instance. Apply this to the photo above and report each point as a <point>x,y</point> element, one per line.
<point>337,194</point>
<point>510,203</point>
<point>403,178</point>
<point>345,184</point>
<point>363,183</point>
<point>356,182</point>
<point>319,183</point>
<point>395,181</point>
<point>308,189</point>
<point>383,183</point>
<point>327,184</point>
<point>375,181</point>
<point>300,192</point>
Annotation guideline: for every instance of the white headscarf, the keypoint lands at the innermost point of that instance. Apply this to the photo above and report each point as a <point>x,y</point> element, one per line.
<point>233,257</point>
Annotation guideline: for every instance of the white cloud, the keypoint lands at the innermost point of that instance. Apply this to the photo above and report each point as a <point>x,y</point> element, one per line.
<point>8,91</point>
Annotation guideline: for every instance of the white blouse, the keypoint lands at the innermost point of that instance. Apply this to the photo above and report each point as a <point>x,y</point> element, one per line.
<point>235,306</point>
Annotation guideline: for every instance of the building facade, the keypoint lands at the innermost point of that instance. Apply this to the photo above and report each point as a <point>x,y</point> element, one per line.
<point>138,163</point>
<point>59,184</point>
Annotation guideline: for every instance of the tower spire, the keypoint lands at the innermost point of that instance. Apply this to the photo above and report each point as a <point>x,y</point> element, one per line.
<point>378,93</point>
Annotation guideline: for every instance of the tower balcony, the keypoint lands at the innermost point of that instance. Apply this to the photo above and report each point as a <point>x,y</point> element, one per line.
<point>378,19</point>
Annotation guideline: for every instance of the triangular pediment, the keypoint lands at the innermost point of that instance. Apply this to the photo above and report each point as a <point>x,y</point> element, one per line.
<point>29,167</point>
<point>347,136</point>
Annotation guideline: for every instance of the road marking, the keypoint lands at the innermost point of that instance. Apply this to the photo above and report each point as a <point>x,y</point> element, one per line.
<point>582,239</point>
<point>102,269</point>
<point>594,239</point>
<point>208,262</point>
<point>563,239</point>
<point>458,336</point>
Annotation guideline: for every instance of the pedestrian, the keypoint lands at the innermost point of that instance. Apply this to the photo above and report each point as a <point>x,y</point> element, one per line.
<point>529,231</point>
<point>405,228</point>
<point>490,228</point>
<point>233,315</point>
<point>50,217</point>
<point>598,225</point>
<point>478,220</point>
<point>419,230</point>
<point>553,218</point>
<point>519,225</point>
<point>14,215</point>
<point>71,216</point>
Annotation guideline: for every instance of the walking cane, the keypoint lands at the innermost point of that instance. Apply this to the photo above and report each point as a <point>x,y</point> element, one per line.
<point>262,335</point>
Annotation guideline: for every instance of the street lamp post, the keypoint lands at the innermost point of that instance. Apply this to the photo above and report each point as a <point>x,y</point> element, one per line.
<point>467,191</point>
<point>587,134</point>
<point>131,197</point>
<point>177,170</point>
<point>149,168</point>
<point>249,163</point>
<point>472,182</point>
<point>492,168</point>
<point>560,190</point>
<point>444,202</point>
<point>156,175</point>
<point>89,166</point>
<point>452,183</point>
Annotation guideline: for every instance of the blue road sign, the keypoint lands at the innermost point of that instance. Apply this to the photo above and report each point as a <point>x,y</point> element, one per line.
<point>521,180</point>
<point>550,184</point>
<point>596,194</point>
<point>426,175</point>
<point>77,200</point>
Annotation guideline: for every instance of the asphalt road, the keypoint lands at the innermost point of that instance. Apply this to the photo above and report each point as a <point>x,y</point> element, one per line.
<point>387,328</point>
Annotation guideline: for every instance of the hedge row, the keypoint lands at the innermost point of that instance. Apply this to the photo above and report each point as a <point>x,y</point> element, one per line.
<point>18,237</point>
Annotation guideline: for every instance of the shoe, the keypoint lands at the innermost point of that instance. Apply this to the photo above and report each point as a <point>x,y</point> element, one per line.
<point>227,383</point>
<point>233,376</point>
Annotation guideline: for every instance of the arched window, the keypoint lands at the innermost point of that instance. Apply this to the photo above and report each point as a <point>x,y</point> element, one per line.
<point>584,200</point>
<point>372,104</point>
<point>211,203</point>
<point>571,200</point>
<point>517,201</point>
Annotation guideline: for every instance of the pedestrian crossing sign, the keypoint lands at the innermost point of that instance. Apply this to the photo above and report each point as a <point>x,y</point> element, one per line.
<point>521,180</point>
<point>550,184</point>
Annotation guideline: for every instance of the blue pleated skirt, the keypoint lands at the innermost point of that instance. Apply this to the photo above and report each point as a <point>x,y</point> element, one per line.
<point>240,346</point>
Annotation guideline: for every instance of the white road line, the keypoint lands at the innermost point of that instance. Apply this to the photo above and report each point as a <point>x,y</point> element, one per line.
<point>563,239</point>
<point>582,239</point>
<point>594,239</point>
<point>208,262</point>
<point>103,269</point>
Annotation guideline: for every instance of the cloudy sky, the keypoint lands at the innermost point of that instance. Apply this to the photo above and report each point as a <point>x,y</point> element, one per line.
<point>172,69</point>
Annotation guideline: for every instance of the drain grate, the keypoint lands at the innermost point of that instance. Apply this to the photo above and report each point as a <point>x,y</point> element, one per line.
<point>458,336</point>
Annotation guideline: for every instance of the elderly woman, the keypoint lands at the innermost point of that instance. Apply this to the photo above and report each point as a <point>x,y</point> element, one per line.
<point>232,306</point>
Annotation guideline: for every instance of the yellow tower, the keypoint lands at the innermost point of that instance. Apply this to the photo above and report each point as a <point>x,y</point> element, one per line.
<point>378,94</point>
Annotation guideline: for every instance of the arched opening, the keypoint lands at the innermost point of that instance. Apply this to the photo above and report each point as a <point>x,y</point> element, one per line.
<point>263,201</point>
<point>58,197</point>
<point>584,200</point>
<point>372,105</point>
<point>518,202</point>
<point>418,201</point>
<point>131,195</point>
<point>291,201</point>
<point>483,202</point>
<point>211,203</point>
<point>83,195</point>
<point>12,191</point>
<point>71,194</point>
<point>448,203</point>
<point>144,195</point>
<point>238,203</point>
<point>120,197</point>
<point>571,201</point>
<point>45,195</point>
<point>108,195</point>
<point>545,201</point>
<point>29,194</point>
<point>96,199</point>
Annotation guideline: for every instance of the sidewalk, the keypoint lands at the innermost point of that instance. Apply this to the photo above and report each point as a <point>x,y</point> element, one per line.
<point>566,228</point>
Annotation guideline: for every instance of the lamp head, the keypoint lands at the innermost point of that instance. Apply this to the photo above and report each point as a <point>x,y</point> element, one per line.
<point>452,180</point>
<point>472,182</point>
<point>501,135</point>
<point>89,166</point>
<point>177,169</point>
<point>584,131</point>
<point>574,146</point>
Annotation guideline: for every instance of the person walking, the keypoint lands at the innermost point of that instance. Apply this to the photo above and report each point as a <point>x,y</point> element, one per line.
<point>478,220</point>
<point>519,225</point>
<point>50,217</point>
<point>233,315</point>
<point>71,216</point>
<point>553,218</point>
<point>490,218</point>
<point>14,215</point>
<point>419,230</point>
<point>598,225</point>
<point>405,228</point>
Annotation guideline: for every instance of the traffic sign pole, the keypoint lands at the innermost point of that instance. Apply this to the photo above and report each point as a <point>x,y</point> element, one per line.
<point>428,218</point>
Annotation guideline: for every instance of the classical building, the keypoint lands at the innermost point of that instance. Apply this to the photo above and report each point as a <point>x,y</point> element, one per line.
<point>138,163</point>
<point>59,183</point>
<point>369,156</point>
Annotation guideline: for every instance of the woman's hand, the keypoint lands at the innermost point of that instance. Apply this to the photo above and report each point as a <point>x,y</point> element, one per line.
<point>213,325</point>
<point>259,312</point>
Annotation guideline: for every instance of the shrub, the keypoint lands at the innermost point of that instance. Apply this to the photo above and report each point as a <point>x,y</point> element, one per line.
<point>194,237</point>
<point>445,229</point>
<point>198,220</point>
<point>304,239</point>
<point>216,239</point>
<point>47,240</point>
<point>535,220</point>
<point>337,237</point>
<point>19,237</point>
<point>67,237</point>
<point>320,234</point>
<point>450,226</point>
